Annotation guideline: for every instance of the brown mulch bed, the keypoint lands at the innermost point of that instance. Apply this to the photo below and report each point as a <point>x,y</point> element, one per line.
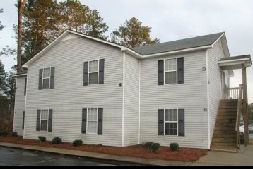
<point>184,154</point>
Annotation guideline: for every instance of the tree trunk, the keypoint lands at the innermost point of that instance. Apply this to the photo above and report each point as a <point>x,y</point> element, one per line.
<point>21,4</point>
<point>19,52</point>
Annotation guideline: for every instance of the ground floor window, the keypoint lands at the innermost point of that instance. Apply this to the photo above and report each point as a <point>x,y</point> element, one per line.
<point>170,123</point>
<point>44,119</point>
<point>92,120</point>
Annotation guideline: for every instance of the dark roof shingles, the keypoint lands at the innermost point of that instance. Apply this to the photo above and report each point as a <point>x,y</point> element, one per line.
<point>178,45</point>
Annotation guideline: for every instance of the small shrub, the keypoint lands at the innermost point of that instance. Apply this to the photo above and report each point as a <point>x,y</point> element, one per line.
<point>148,144</point>
<point>4,133</point>
<point>42,139</point>
<point>14,134</point>
<point>77,142</point>
<point>56,140</point>
<point>174,146</point>
<point>154,147</point>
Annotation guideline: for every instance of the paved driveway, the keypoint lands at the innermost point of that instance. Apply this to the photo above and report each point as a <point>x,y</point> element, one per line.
<point>19,157</point>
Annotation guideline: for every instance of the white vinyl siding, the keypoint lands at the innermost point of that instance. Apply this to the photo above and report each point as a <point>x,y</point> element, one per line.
<point>214,83</point>
<point>19,106</point>
<point>131,103</point>
<point>192,96</point>
<point>70,96</point>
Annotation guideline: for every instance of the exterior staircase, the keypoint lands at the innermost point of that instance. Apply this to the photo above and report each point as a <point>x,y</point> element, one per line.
<point>224,135</point>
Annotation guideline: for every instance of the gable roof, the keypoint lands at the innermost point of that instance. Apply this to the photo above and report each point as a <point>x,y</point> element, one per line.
<point>38,55</point>
<point>186,43</point>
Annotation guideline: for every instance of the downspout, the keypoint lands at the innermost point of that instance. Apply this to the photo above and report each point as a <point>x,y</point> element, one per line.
<point>208,103</point>
<point>123,101</point>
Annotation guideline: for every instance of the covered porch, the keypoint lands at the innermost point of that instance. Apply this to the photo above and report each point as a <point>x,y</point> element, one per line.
<point>239,93</point>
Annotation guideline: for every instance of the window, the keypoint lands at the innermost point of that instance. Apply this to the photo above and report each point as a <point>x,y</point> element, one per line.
<point>46,78</point>
<point>93,72</point>
<point>44,119</point>
<point>170,71</point>
<point>25,86</point>
<point>92,121</point>
<point>170,123</point>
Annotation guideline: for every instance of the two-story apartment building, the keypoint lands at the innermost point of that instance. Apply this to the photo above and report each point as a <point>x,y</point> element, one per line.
<point>80,87</point>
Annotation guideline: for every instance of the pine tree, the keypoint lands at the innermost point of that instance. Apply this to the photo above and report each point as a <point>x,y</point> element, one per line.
<point>132,33</point>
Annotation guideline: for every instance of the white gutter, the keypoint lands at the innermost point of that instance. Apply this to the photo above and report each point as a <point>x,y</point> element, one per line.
<point>178,51</point>
<point>123,102</point>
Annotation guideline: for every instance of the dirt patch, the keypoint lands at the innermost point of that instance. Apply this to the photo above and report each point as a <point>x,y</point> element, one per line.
<point>184,154</point>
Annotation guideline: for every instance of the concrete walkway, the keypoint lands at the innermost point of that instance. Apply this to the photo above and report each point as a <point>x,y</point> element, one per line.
<point>213,158</point>
<point>244,157</point>
<point>155,162</point>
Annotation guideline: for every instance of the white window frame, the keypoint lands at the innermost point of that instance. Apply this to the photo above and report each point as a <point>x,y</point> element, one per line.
<point>87,121</point>
<point>170,121</point>
<point>46,77</point>
<point>170,70</point>
<point>92,72</point>
<point>44,119</point>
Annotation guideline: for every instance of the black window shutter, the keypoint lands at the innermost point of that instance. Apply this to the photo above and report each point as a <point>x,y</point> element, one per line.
<point>50,118</point>
<point>180,122</point>
<point>100,121</point>
<point>160,121</point>
<point>38,121</point>
<point>85,74</point>
<point>160,72</point>
<point>52,78</point>
<point>23,125</point>
<point>101,71</point>
<point>180,70</point>
<point>40,79</point>
<point>25,86</point>
<point>84,116</point>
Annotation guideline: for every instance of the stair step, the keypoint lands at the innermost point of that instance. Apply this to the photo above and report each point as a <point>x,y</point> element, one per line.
<point>224,140</point>
<point>232,149</point>
<point>224,133</point>
<point>223,144</point>
<point>228,100</point>
<point>227,116</point>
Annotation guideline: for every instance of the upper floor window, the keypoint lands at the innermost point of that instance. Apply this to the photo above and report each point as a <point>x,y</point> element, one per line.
<point>171,71</point>
<point>46,78</point>
<point>93,72</point>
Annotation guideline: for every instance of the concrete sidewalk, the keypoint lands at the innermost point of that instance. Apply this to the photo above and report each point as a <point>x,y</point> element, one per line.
<point>154,162</point>
<point>214,158</point>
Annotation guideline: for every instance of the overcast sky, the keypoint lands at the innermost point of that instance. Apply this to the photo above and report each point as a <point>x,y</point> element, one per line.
<point>170,20</point>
